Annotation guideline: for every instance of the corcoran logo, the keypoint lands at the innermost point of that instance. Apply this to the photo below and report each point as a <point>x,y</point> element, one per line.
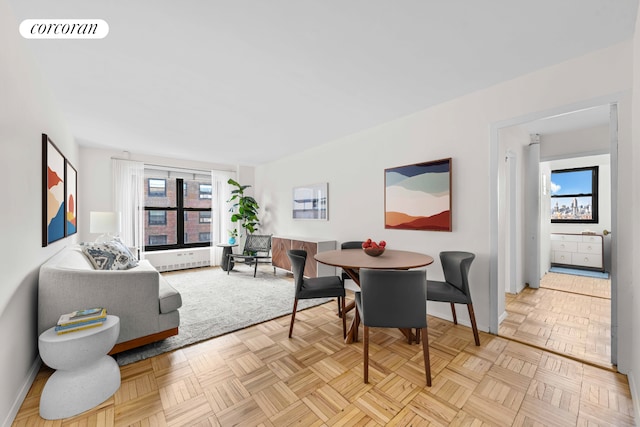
<point>64,29</point>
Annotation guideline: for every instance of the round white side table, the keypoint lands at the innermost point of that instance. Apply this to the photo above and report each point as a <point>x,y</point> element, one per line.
<point>85,376</point>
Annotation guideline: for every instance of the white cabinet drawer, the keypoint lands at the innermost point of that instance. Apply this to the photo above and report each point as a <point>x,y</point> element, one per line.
<point>592,239</point>
<point>590,248</point>
<point>558,245</point>
<point>587,260</point>
<point>560,257</point>
<point>580,250</point>
<point>566,238</point>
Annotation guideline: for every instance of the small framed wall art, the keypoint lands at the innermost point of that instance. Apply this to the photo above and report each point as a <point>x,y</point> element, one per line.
<point>418,196</point>
<point>59,194</point>
<point>71,191</point>
<point>311,202</point>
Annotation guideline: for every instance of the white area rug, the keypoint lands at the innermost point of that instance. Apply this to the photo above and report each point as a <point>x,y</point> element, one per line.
<point>214,303</point>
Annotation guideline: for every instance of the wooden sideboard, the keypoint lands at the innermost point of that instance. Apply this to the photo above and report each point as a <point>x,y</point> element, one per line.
<point>578,250</point>
<point>281,244</point>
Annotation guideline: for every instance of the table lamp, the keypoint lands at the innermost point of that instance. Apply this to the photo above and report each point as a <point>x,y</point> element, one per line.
<point>105,223</point>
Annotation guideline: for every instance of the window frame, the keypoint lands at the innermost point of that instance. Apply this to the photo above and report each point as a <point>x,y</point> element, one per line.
<point>154,194</point>
<point>594,196</point>
<point>157,235</point>
<point>205,194</point>
<point>151,224</point>
<point>181,212</point>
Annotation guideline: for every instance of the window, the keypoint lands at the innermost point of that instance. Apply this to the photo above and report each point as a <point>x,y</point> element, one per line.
<point>205,191</point>
<point>574,195</point>
<point>157,187</point>
<point>177,218</point>
<point>157,240</point>
<point>205,217</point>
<point>157,217</point>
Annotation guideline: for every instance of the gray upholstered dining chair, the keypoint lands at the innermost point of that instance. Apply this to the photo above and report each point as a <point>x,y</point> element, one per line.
<point>455,288</point>
<point>315,287</point>
<point>394,299</point>
<point>349,284</point>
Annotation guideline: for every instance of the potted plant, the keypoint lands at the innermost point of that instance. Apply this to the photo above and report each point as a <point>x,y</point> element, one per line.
<point>233,235</point>
<point>244,208</point>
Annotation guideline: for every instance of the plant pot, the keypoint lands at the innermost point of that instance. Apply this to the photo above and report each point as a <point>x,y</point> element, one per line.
<point>232,240</point>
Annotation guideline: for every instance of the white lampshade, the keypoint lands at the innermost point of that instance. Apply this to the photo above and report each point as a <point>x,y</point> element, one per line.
<point>104,222</point>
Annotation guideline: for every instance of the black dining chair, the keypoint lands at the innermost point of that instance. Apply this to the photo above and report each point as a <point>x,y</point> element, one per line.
<point>350,245</point>
<point>394,299</point>
<point>349,284</point>
<point>315,287</point>
<point>455,288</point>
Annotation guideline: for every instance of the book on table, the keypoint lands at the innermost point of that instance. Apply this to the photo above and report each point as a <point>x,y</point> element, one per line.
<point>80,316</point>
<point>79,326</point>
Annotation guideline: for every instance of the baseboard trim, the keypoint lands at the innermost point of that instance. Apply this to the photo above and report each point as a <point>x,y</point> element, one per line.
<point>33,372</point>
<point>635,396</point>
<point>502,317</point>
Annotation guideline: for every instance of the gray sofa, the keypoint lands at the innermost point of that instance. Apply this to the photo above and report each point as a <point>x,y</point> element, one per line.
<point>144,301</point>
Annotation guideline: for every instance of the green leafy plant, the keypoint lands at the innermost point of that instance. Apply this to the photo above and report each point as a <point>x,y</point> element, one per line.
<point>244,208</point>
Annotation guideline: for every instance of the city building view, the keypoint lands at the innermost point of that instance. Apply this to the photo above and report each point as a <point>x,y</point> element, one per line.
<point>178,210</point>
<point>574,195</point>
<point>572,208</point>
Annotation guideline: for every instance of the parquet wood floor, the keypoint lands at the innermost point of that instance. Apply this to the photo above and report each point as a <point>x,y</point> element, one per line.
<point>568,314</point>
<point>259,377</point>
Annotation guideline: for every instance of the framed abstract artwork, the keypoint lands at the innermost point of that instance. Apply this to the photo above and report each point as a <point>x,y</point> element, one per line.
<point>53,192</point>
<point>311,202</point>
<point>71,191</point>
<point>418,196</point>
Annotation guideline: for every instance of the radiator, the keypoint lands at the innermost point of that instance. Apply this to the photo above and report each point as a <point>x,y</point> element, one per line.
<point>179,259</point>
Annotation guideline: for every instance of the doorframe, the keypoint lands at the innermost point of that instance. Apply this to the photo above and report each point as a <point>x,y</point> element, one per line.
<point>496,289</point>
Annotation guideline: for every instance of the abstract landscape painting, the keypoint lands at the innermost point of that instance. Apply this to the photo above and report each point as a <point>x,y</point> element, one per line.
<point>71,187</point>
<point>53,192</point>
<point>418,196</point>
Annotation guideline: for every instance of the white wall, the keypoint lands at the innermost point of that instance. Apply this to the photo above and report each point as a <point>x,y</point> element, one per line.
<point>603,161</point>
<point>26,111</point>
<point>95,187</point>
<point>512,141</point>
<point>632,192</point>
<point>583,142</point>
<point>354,165</point>
<point>604,192</point>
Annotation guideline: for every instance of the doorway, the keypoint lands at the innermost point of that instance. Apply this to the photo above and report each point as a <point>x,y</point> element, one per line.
<point>521,239</point>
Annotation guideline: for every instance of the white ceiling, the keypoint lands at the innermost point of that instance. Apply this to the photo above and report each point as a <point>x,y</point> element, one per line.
<point>249,81</point>
<point>580,119</point>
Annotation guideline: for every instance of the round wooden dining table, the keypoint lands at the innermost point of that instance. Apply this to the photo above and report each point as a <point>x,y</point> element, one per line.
<point>352,260</point>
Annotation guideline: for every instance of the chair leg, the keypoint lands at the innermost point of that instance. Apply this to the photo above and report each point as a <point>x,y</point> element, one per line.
<point>472,316</point>
<point>356,325</point>
<point>453,312</point>
<point>365,351</point>
<point>417,335</point>
<point>255,271</point>
<point>344,321</point>
<point>293,316</point>
<point>427,359</point>
<point>339,306</point>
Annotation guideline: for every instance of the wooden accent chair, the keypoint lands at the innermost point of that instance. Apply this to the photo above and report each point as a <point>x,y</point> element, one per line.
<point>257,249</point>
